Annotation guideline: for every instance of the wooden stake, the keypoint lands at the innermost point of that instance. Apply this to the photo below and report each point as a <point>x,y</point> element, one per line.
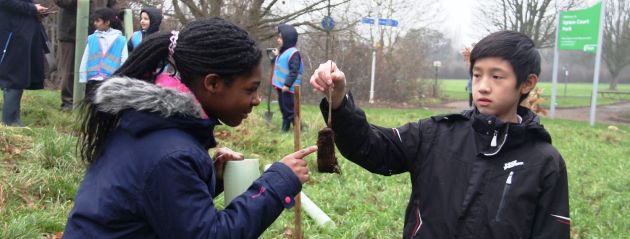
<point>296,146</point>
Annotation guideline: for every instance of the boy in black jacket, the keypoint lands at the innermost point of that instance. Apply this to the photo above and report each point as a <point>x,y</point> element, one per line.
<point>489,172</point>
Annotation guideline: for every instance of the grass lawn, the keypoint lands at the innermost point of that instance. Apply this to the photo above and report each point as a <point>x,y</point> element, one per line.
<point>577,94</point>
<point>40,173</point>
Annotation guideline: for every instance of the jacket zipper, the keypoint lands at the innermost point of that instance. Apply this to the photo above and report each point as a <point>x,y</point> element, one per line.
<point>506,189</point>
<point>493,143</point>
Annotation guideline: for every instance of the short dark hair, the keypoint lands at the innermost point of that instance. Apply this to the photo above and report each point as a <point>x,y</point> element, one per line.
<point>108,14</point>
<point>514,47</point>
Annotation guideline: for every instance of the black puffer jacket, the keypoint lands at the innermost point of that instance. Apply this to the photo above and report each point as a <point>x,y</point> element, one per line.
<point>463,184</point>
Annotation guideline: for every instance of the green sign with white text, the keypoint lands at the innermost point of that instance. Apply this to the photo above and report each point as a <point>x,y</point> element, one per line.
<point>578,30</point>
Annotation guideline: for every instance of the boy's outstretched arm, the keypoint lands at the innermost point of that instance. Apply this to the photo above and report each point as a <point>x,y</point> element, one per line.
<point>380,150</point>
<point>552,218</point>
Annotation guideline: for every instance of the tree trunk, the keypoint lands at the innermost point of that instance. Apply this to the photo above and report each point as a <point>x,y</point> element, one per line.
<point>215,8</point>
<point>614,82</point>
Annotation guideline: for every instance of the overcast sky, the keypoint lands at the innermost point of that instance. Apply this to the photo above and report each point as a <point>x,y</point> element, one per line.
<point>460,23</point>
<point>458,19</point>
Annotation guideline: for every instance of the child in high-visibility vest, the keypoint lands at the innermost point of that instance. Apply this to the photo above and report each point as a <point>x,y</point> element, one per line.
<point>105,51</point>
<point>150,20</point>
<point>287,72</point>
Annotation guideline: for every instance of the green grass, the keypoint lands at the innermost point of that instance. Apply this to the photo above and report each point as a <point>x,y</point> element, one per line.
<point>578,94</point>
<point>39,174</point>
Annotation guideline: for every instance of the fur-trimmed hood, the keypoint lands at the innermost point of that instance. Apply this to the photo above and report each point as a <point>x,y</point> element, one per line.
<point>122,93</point>
<point>145,107</point>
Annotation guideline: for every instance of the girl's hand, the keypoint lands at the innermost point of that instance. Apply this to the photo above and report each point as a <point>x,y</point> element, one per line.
<point>329,76</point>
<point>296,162</point>
<point>223,155</point>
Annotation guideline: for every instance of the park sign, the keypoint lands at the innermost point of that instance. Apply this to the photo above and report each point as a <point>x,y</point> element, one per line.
<point>578,30</point>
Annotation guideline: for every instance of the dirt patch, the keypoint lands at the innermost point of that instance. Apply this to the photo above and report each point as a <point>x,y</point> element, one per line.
<point>609,114</point>
<point>12,143</point>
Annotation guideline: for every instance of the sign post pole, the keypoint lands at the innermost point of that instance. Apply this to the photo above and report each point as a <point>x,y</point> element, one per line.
<point>598,58</point>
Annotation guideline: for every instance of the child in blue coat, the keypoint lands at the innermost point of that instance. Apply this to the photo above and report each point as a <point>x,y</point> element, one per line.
<point>146,138</point>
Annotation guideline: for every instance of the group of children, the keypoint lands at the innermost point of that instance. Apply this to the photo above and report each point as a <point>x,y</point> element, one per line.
<point>489,172</point>
<point>107,49</point>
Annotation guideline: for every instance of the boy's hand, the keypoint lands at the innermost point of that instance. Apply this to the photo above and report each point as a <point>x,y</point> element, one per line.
<point>275,52</point>
<point>329,76</point>
<point>285,89</point>
<point>40,8</point>
<point>298,165</point>
<point>223,155</point>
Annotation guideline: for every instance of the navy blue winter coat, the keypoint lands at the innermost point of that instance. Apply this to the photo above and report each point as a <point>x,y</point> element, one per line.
<point>155,178</point>
<point>22,46</point>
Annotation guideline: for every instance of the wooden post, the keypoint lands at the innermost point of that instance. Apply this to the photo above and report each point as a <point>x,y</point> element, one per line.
<point>296,146</point>
<point>83,20</point>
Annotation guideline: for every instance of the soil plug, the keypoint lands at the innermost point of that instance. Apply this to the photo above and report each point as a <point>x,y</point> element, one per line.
<point>326,159</point>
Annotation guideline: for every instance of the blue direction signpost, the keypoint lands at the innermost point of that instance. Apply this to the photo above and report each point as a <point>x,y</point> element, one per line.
<point>387,22</point>
<point>367,20</point>
<point>382,22</point>
<point>328,23</point>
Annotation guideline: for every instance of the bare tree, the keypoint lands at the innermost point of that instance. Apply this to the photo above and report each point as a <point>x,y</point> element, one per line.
<point>534,18</point>
<point>616,38</point>
<point>259,17</point>
<point>414,53</point>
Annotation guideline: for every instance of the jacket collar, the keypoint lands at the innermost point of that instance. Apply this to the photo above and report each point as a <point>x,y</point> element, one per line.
<point>109,32</point>
<point>505,135</point>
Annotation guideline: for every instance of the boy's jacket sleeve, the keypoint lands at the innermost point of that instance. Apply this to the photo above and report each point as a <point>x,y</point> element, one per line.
<point>385,151</point>
<point>552,212</point>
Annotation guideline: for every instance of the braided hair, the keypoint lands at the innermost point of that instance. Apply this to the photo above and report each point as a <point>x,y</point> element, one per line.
<point>209,46</point>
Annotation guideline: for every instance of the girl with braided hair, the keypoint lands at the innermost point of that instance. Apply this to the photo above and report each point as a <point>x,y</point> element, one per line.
<point>146,135</point>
